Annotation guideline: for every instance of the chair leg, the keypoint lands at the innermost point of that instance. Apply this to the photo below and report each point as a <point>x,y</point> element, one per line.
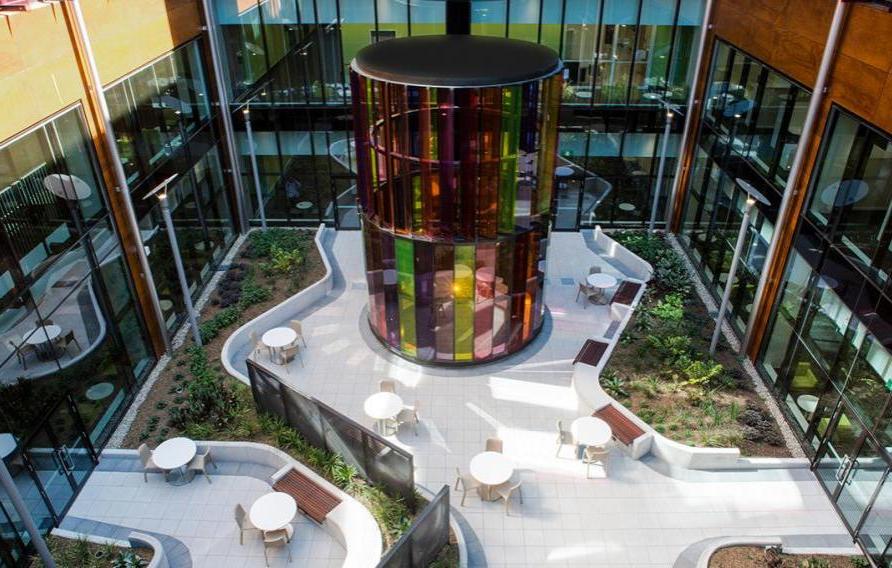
<point>464,494</point>
<point>241,536</point>
<point>265,556</point>
<point>145,476</point>
<point>206,476</point>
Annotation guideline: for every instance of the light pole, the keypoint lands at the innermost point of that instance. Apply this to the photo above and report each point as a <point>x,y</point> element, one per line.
<point>160,191</point>
<point>752,197</point>
<point>671,109</point>
<point>246,112</point>
<point>12,492</point>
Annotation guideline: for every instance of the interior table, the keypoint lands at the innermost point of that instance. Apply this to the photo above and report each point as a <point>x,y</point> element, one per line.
<point>173,455</point>
<point>383,407</point>
<point>490,469</point>
<point>807,402</point>
<point>563,171</point>
<point>273,511</point>
<point>43,338</point>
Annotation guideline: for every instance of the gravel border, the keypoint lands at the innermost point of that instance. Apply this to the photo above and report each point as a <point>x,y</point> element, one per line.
<point>790,439</point>
<point>123,427</point>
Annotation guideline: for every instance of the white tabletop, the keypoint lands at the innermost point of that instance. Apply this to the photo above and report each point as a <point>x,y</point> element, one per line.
<point>67,187</point>
<point>601,280</point>
<point>7,444</point>
<point>591,431</point>
<point>165,305</point>
<point>279,337</point>
<point>563,171</point>
<point>383,405</point>
<point>273,511</point>
<point>626,207</point>
<point>491,468</point>
<point>41,335</point>
<point>807,402</point>
<point>174,453</point>
<point>844,192</point>
<point>304,204</point>
<point>100,391</point>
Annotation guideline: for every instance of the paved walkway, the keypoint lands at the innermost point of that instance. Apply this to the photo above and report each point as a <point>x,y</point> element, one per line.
<point>199,515</point>
<point>635,516</point>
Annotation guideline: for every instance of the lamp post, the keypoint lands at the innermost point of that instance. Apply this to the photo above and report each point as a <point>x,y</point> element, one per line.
<point>671,109</point>
<point>752,197</point>
<point>160,191</point>
<point>246,112</point>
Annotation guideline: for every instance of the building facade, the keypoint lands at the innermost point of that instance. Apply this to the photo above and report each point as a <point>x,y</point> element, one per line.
<point>795,98</point>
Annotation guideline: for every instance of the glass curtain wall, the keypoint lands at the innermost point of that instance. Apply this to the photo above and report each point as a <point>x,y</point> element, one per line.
<point>620,55</point>
<point>74,348</point>
<point>749,129</point>
<point>161,115</point>
<point>827,348</point>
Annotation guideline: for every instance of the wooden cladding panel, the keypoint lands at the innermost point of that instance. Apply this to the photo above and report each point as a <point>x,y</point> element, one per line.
<point>38,69</point>
<point>127,34</point>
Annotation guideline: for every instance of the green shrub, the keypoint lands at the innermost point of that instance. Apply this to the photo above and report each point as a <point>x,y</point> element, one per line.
<point>613,384</point>
<point>670,308</point>
<point>283,261</point>
<point>700,373</point>
<point>128,559</point>
<point>671,348</point>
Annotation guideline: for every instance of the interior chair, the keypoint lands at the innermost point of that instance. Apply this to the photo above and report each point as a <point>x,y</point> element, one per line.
<point>387,386</point>
<point>506,490</point>
<point>199,463</point>
<point>465,483</point>
<point>42,322</point>
<point>494,445</point>
<point>148,464</point>
<point>22,351</point>
<point>408,415</point>
<point>277,539</point>
<point>596,456</point>
<point>244,523</point>
<point>594,270</point>
<point>68,339</point>
<point>298,329</point>
<point>564,438</point>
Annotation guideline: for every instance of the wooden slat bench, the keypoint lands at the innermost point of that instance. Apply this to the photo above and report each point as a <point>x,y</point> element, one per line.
<point>626,292</point>
<point>624,430</point>
<point>591,352</point>
<point>312,499</point>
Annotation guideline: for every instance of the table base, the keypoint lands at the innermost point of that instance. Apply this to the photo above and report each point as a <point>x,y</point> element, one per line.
<point>386,427</point>
<point>486,493</point>
<point>180,476</point>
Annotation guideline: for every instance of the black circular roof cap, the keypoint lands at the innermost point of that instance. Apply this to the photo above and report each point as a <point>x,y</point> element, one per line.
<point>456,61</point>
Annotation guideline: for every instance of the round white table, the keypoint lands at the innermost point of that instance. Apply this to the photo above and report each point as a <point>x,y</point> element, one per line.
<point>100,391</point>
<point>304,204</point>
<point>279,337</point>
<point>383,407</point>
<point>173,455</point>
<point>626,207</point>
<point>490,469</point>
<point>563,171</point>
<point>41,335</point>
<point>166,305</point>
<point>591,431</point>
<point>807,402</point>
<point>844,192</point>
<point>67,187</point>
<point>601,280</point>
<point>273,511</point>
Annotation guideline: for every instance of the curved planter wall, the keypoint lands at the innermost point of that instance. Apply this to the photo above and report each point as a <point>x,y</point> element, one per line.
<point>586,381</point>
<point>237,346</point>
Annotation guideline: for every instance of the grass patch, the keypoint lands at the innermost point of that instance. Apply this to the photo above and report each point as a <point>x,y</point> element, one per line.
<point>79,553</point>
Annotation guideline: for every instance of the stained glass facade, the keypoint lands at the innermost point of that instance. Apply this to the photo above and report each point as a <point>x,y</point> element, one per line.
<point>455,190</point>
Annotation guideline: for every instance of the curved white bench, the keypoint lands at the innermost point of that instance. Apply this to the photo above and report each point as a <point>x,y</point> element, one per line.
<point>237,344</point>
<point>142,540</point>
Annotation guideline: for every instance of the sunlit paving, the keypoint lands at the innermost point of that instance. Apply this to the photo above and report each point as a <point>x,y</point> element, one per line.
<point>445,283</point>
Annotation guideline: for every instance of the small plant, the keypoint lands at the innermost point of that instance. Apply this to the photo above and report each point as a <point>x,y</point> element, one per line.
<point>178,377</point>
<point>128,559</point>
<point>613,384</point>
<point>160,405</point>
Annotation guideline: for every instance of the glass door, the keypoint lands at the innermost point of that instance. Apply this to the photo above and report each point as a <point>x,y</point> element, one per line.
<point>59,457</point>
<point>568,192</point>
<point>850,465</point>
